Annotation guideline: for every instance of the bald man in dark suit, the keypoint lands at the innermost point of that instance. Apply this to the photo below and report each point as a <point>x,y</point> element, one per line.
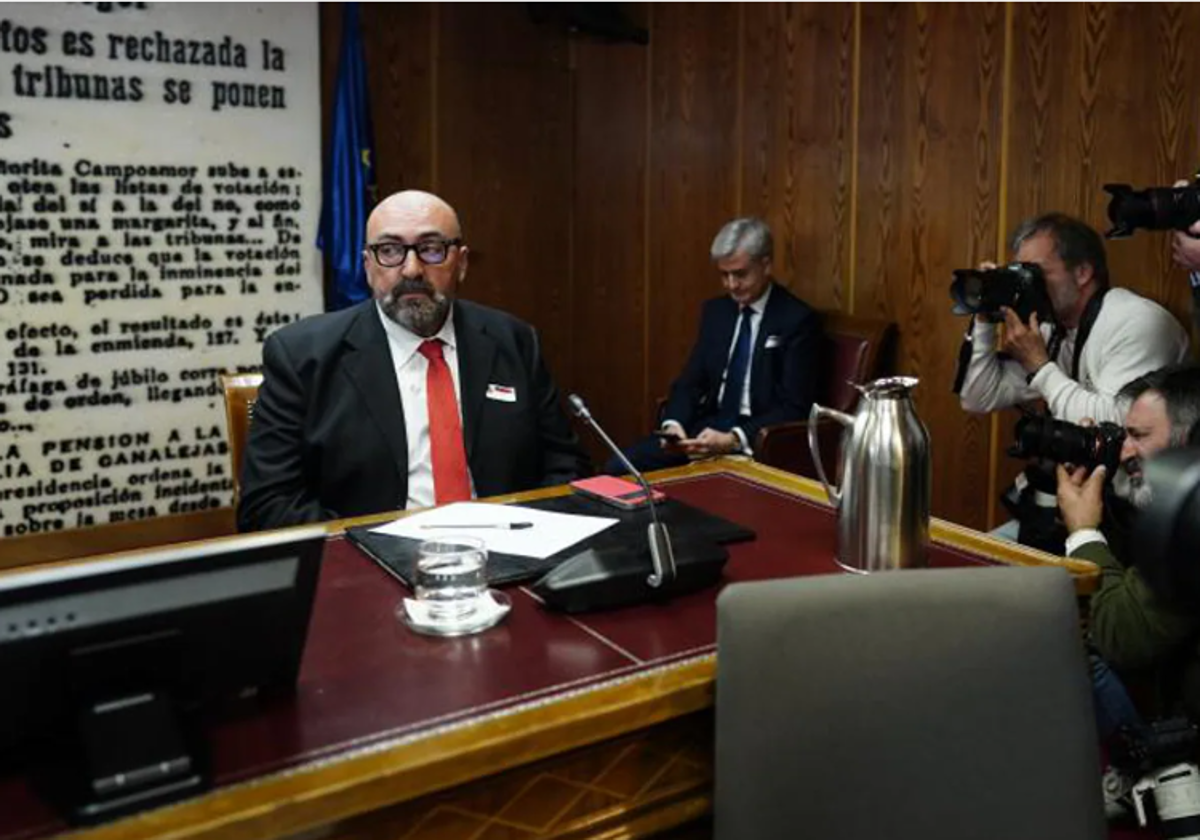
<point>411,399</point>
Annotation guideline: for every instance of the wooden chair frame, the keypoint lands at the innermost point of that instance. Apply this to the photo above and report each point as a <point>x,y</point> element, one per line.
<point>241,392</point>
<point>785,445</point>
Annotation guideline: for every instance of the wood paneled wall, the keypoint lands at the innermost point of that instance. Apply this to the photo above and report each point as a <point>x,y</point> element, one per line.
<point>886,145</point>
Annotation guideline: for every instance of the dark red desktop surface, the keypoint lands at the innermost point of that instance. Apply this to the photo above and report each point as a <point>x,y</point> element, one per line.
<point>365,678</point>
<point>794,537</point>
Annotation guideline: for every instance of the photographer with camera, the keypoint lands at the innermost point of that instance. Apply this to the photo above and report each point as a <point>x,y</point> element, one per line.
<point>1069,339</point>
<point>1101,337</point>
<point>1185,249</point>
<point>1175,208</point>
<point>1141,623</point>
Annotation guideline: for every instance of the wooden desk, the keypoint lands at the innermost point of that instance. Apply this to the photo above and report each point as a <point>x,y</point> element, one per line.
<point>546,726</point>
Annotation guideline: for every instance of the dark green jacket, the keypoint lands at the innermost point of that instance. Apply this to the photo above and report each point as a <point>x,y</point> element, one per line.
<point>1135,631</point>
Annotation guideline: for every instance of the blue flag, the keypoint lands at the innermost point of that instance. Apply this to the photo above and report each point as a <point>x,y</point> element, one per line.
<point>350,174</point>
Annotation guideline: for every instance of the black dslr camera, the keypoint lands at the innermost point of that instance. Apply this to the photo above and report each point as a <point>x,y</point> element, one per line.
<point>1163,754</point>
<point>1156,208</point>
<point>1039,437</point>
<point>1019,286</point>
<point>1137,751</point>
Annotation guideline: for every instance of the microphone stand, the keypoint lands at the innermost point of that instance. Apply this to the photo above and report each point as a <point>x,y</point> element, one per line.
<point>662,558</point>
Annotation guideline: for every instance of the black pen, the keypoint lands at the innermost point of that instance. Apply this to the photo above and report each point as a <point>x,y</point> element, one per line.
<point>506,526</point>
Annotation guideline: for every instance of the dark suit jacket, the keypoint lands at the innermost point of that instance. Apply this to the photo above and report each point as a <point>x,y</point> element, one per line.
<point>328,438</point>
<point>783,377</point>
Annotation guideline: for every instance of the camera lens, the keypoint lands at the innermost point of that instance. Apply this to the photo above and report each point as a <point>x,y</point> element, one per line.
<point>1156,208</point>
<point>1065,443</point>
<point>972,291</point>
<point>1020,287</point>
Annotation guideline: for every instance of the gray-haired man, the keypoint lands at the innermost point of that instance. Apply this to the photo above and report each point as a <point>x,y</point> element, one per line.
<point>1142,619</point>
<point>756,360</point>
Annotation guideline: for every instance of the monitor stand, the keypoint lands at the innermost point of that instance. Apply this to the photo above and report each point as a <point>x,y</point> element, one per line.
<point>129,754</point>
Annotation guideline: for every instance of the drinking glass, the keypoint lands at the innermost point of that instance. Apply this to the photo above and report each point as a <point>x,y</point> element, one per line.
<point>450,578</point>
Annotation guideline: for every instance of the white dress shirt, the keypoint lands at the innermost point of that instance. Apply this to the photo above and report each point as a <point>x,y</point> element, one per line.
<point>411,369</point>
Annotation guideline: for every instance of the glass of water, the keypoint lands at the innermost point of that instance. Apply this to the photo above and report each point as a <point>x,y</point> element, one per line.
<point>450,579</point>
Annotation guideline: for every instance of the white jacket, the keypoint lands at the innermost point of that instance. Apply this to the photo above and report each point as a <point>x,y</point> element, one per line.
<point>1131,337</point>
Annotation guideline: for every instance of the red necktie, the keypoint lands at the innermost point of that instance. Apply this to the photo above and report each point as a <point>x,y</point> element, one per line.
<point>451,481</point>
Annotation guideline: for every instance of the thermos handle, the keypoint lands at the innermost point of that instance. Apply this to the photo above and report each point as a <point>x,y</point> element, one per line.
<point>814,415</point>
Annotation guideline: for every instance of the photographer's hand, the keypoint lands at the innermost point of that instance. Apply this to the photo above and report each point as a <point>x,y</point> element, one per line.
<point>1080,498</point>
<point>1185,248</point>
<point>1024,342</point>
<point>1185,245</point>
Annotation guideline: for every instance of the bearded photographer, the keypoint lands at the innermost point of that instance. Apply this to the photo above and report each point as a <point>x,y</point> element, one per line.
<point>1091,340</point>
<point>1139,626</point>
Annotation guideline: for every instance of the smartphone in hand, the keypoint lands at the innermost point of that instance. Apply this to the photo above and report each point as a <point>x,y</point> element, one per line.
<point>668,439</point>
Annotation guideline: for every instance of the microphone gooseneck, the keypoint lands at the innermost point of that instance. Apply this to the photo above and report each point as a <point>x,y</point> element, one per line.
<point>661,555</point>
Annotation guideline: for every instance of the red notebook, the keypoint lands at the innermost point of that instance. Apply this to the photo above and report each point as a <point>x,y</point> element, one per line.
<point>618,492</point>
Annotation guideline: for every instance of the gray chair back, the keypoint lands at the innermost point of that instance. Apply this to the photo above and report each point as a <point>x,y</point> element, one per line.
<point>928,704</point>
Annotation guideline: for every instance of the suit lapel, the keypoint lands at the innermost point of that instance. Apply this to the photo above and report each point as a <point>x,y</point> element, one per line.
<point>727,322</point>
<point>369,367</point>
<point>476,355</point>
<point>724,336</point>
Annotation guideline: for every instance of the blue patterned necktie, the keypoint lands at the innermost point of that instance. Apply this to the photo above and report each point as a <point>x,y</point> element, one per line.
<point>735,374</point>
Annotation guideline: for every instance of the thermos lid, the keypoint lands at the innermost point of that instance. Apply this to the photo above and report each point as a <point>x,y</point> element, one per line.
<point>892,386</point>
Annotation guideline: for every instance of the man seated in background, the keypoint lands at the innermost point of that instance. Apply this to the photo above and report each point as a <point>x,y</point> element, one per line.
<point>412,399</point>
<point>756,360</point>
<point>1102,338</point>
<point>1137,629</point>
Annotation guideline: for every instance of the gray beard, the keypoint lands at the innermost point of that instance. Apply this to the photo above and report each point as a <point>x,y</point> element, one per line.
<point>421,316</point>
<point>1136,493</point>
<point>1141,496</point>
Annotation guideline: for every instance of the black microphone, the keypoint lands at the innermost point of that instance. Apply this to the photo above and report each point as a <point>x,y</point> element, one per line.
<point>613,573</point>
<point>661,555</point>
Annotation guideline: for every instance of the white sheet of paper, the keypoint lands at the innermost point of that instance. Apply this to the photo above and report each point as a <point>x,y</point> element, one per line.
<point>551,532</point>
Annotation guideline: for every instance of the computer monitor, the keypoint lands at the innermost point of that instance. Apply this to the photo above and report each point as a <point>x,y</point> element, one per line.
<point>108,668</point>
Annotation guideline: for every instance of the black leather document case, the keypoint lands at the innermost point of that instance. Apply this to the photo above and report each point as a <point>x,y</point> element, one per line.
<point>398,555</point>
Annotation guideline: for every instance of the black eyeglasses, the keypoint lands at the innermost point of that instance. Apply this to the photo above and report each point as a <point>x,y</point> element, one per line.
<point>429,251</point>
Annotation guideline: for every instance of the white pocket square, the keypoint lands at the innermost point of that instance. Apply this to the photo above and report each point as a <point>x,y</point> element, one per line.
<point>503,393</point>
<point>772,341</point>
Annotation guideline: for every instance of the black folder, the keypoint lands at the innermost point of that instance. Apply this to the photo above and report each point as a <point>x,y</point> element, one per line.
<point>398,555</point>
